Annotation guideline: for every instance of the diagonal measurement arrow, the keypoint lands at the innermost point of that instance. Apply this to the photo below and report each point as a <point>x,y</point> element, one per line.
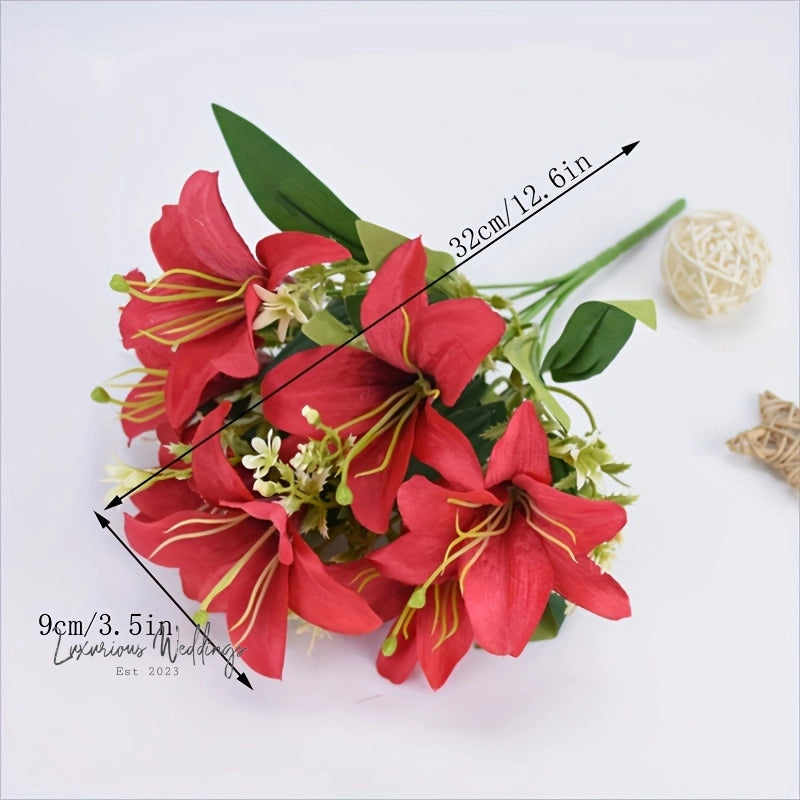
<point>241,677</point>
<point>117,499</point>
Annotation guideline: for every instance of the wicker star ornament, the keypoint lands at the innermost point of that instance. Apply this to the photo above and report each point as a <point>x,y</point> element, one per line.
<point>777,440</point>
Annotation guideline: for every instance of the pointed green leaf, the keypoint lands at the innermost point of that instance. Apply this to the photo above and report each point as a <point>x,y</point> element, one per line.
<point>323,328</point>
<point>552,619</point>
<point>288,194</point>
<point>643,310</point>
<point>379,242</point>
<point>590,341</point>
<point>352,305</point>
<point>519,353</point>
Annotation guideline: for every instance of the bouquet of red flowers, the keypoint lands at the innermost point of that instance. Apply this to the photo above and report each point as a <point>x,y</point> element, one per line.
<point>353,434</point>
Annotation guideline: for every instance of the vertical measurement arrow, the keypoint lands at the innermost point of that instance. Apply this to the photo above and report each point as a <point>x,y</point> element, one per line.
<point>625,150</point>
<point>241,677</point>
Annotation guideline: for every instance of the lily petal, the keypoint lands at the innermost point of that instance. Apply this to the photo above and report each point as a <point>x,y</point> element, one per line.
<point>592,522</point>
<point>444,633</point>
<point>315,596</point>
<point>192,369</point>
<point>216,479</point>
<point>374,494</point>
<point>522,449</point>
<point>347,384</point>
<point>384,596</point>
<point>398,666</point>
<point>431,520</point>
<point>209,232</point>
<point>402,276</point>
<point>441,445</point>
<point>257,609</point>
<point>586,585</point>
<point>283,252</point>
<point>170,247</point>
<point>449,340</point>
<point>507,588</point>
<point>160,498</point>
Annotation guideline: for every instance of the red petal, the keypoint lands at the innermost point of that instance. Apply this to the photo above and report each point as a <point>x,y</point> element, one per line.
<point>449,340</point>
<point>161,498</point>
<point>281,253</point>
<point>401,276</point>
<point>259,602</point>
<point>430,518</point>
<point>209,232</point>
<point>592,521</point>
<point>398,666</point>
<point>347,384</point>
<point>316,597</point>
<point>215,477</point>
<point>521,450</point>
<point>507,588</point>
<point>444,633</point>
<point>170,318</point>
<point>170,247</point>
<point>232,350</point>
<point>153,354</point>
<point>441,445</point>
<point>199,543</point>
<point>189,374</point>
<point>385,597</point>
<point>584,584</point>
<point>375,494</point>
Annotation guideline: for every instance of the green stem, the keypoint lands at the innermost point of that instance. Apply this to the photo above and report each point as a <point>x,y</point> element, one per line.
<point>578,400</point>
<point>529,287</point>
<point>585,271</point>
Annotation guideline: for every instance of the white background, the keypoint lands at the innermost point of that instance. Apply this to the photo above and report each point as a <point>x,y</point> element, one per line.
<point>422,117</point>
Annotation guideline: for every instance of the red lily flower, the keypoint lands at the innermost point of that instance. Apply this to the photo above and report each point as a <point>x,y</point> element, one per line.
<point>503,545</point>
<point>242,556</point>
<point>207,299</point>
<point>384,397</point>
<point>163,383</point>
<point>437,635</point>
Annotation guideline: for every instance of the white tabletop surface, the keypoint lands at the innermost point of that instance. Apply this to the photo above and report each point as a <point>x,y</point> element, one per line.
<point>422,117</point>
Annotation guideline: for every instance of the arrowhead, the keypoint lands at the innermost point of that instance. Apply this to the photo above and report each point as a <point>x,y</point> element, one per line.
<point>114,502</point>
<point>628,147</point>
<point>104,523</point>
<point>243,679</point>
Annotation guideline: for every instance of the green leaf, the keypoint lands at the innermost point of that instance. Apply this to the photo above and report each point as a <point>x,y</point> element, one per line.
<point>323,328</point>
<point>552,619</point>
<point>590,341</point>
<point>519,353</point>
<point>288,194</point>
<point>379,242</point>
<point>643,310</point>
<point>352,304</point>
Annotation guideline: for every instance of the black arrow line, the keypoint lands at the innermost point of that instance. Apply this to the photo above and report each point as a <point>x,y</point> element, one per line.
<point>117,499</point>
<point>241,677</point>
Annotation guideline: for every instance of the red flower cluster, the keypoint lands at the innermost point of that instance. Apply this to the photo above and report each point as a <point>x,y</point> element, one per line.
<point>474,557</point>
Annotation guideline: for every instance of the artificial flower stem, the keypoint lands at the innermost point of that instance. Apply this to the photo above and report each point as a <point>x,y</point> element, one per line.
<point>585,271</point>
<point>578,400</point>
<point>529,288</point>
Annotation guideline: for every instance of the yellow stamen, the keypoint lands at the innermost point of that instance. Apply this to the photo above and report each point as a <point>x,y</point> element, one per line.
<point>260,587</point>
<point>544,534</point>
<point>231,574</point>
<point>406,337</point>
<point>218,528</point>
<point>537,510</point>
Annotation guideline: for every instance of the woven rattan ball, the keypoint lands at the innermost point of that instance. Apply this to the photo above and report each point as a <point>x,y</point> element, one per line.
<point>713,262</point>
